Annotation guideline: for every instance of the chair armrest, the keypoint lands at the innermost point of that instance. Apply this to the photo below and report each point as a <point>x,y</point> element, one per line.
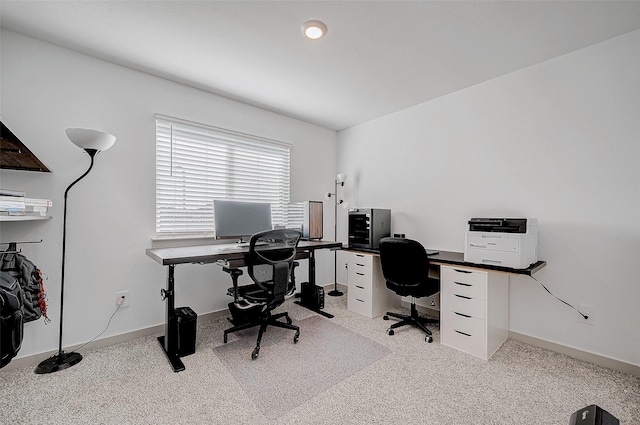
<point>235,273</point>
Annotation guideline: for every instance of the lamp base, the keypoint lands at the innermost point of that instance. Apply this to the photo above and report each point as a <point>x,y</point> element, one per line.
<point>58,362</point>
<point>335,293</point>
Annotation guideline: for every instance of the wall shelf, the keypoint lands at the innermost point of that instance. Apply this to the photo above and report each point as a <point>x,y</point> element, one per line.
<point>16,155</point>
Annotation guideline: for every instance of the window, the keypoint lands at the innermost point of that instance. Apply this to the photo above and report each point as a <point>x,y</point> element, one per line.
<point>196,164</point>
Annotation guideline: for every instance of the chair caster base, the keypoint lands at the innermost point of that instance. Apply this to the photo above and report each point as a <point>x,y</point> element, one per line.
<point>390,332</point>
<point>428,338</point>
<point>254,354</point>
<point>296,337</point>
<point>385,317</point>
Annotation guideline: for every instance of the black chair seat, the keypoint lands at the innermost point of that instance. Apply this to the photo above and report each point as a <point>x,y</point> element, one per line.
<point>419,290</point>
<point>252,293</point>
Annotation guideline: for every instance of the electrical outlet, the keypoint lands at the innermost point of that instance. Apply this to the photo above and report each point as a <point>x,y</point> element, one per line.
<point>589,311</point>
<point>119,296</point>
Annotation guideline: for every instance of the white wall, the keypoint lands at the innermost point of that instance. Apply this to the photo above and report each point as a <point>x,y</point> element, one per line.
<point>558,141</point>
<point>46,89</point>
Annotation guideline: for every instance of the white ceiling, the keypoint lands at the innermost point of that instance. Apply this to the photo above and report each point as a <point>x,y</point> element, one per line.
<point>378,57</point>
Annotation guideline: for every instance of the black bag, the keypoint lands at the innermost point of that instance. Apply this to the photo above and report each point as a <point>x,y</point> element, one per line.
<point>30,280</point>
<point>11,318</point>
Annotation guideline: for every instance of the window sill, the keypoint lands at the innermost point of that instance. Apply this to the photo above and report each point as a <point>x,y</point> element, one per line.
<point>176,241</point>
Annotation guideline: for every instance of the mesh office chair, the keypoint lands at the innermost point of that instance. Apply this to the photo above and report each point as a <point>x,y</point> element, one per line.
<point>405,267</point>
<point>270,266</point>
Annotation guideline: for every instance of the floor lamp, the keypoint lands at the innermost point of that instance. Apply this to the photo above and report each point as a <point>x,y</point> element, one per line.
<point>92,142</point>
<point>339,181</point>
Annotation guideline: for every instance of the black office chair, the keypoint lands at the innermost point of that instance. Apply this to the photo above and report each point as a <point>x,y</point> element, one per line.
<point>271,267</point>
<point>405,267</point>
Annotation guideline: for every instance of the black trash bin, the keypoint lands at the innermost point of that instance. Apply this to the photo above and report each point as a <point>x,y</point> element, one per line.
<point>186,320</point>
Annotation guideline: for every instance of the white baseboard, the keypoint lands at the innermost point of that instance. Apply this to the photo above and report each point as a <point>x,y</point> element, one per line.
<point>578,354</point>
<point>35,359</point>
<point>559,348</point>
<point>330,286</point>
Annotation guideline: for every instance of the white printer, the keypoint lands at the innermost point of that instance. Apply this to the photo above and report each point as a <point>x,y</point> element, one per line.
<point>506,242</point>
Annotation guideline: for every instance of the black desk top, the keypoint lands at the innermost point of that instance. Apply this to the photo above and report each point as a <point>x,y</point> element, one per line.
<point>457,259</point>
<point>451,258</point>
<point>235,253</point>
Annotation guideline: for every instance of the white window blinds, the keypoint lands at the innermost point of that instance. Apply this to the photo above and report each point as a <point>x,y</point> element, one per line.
<point>196,164</point>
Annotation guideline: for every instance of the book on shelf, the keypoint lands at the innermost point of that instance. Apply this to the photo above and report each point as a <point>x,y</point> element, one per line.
<point>11,203</point>
<point>33,202</point>
<point>41,211</point>
<point>14,205</point>
<point>22,215</point>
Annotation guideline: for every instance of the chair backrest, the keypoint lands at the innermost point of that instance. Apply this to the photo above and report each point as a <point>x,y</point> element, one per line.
<point>271,256</point>
<point>404,261</point>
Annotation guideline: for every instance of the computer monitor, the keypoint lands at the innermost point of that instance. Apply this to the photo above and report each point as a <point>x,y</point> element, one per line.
<point>238,220</point>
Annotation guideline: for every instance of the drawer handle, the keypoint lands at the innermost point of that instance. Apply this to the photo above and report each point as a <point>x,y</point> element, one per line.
<point>360,255</point>
<point>463,315</point>
<point>358,264</point>
<point>462,296</point>
<point>462,284</point>
<point>358,299</point>
<point>463,271</point>
<point>462,333</point>
<point>361,287</point>
<point>360,274</point>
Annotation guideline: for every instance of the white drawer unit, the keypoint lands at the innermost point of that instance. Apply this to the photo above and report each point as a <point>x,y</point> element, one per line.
<point>367,294</point>
<point>474,310</point>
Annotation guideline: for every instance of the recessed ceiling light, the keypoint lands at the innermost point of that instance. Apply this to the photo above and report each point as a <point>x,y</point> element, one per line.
<point>314,29</point>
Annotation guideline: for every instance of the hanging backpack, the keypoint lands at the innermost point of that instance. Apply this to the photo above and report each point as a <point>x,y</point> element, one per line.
<point>30,280</point>
<point>11,318</point>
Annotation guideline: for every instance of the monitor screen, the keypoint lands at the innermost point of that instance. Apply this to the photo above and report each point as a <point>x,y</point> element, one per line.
<point>237,219</point>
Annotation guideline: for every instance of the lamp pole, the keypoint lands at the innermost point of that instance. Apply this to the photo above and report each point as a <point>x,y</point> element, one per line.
<point>85,139</point>
<point>339,181</point>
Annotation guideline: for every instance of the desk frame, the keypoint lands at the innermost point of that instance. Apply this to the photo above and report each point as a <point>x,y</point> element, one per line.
<point>233,256</point>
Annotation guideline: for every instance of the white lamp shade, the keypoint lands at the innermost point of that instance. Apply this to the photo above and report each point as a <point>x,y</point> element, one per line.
<point>341,178</point>
<point>90,139</point>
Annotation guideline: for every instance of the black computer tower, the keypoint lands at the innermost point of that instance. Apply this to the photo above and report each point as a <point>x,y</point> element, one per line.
<point>312,296</point>
<point>186,320</point>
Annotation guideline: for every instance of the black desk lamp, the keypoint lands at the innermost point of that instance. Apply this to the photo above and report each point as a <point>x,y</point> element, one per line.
<point>340,179</point>
<point>92,142</point>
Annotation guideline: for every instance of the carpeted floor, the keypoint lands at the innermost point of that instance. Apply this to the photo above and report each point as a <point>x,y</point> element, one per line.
<point>415,383</point>
<point>285,374</point>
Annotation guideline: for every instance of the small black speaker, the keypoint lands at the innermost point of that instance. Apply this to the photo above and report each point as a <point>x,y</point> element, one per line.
<point>593,415</point>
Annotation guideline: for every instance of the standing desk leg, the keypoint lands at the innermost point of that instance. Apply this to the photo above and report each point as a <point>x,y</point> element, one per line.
<point>312,285</point>
<point>169,340</point>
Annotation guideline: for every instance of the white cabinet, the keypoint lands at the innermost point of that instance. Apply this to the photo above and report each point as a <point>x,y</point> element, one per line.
<point>367,294</point>
<point>474,310</point>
